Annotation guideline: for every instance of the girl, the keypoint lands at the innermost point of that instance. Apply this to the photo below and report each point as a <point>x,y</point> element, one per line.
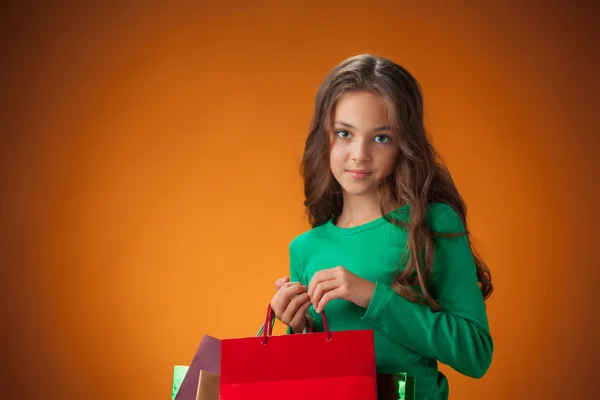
<point>389,249</point>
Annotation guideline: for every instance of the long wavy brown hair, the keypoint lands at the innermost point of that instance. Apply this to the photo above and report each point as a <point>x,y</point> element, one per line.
<point>419,177</point>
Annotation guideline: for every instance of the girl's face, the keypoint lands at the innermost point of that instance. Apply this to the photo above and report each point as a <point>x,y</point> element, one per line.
<point>363,146</point>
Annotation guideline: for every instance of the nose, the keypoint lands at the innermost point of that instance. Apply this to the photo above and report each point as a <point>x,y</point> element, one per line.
<point>360,150</point>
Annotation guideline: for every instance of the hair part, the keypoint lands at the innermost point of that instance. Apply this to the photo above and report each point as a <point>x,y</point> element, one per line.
<point>418,179</point>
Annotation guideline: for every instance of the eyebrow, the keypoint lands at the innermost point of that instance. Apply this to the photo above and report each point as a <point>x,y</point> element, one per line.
<point>347,125</point>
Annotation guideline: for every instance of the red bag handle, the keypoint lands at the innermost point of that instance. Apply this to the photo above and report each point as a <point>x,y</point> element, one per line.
<point>268,331</point>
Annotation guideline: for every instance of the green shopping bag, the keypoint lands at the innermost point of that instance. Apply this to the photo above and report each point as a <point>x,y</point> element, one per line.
<point>399,386</point>
<point>406,387</point>
<point>179,372</point>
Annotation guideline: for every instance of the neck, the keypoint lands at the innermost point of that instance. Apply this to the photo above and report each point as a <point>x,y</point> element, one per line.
<point>359,210</point>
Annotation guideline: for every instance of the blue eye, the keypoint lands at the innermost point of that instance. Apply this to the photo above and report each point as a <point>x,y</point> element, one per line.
<point>382,139</point>
<point>341,134</point>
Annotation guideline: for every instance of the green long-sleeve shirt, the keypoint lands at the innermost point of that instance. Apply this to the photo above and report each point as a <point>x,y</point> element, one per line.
<point>409,337</point>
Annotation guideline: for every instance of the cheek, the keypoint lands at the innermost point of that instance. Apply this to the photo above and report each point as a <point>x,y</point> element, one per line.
<point>388,161</point>
<point>336,156</point>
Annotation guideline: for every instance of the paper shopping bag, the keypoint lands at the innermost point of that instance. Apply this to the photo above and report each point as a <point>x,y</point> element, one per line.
<point>208,386</point>
<point>321,365</point>
<point>207,358</point>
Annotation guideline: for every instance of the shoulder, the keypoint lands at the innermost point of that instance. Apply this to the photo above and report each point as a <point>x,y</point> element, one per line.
<point>307,239</point>
<point>441,217</point>
<point>437,211</point>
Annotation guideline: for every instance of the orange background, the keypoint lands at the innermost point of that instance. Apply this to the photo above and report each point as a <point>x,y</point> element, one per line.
<point>150,181</point>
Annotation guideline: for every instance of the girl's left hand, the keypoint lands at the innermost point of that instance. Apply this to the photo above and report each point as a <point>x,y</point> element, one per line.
<point>339,283</point>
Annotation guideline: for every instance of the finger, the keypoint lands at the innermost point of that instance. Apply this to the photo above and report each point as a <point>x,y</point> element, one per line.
<point>298,319</point>
<point>289,284</point>
<point>287,294</point>
<point>292,290</point>
<point>318,277</point>
<point>284,295</point>
<point>321,289</point>
<point>327,297</point>
<point>285,288</point>
<point>281,281</point>
<point>279,303</point>
<point>293,306</point>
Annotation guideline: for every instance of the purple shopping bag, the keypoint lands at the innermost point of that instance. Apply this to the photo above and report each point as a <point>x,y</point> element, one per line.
<point>207,358</point>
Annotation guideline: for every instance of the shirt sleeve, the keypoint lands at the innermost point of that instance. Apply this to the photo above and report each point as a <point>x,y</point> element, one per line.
<point>459,334</point>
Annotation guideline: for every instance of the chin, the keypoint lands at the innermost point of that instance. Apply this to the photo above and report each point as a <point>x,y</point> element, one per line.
<point>359,190</point>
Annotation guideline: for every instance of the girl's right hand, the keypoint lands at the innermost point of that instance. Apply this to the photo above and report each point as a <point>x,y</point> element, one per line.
<point>291,303</point>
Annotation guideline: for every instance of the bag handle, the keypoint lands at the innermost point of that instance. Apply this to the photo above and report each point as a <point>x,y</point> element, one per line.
<point>270,320</point>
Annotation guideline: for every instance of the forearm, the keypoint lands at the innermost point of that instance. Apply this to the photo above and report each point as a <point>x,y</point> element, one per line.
<point>456,340</point>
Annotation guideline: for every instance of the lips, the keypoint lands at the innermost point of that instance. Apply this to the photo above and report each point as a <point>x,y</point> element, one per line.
<point>358,173</point>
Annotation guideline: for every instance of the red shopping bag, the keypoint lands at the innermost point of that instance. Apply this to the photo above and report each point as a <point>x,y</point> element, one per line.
<point>321,365</point>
